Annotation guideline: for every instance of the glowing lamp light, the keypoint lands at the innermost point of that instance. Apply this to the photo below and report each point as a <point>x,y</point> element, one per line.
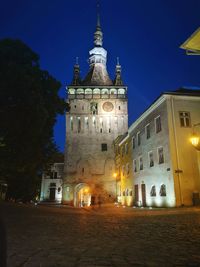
<point>194,140</point>
<point>115,174</point>
<point>86,190</point>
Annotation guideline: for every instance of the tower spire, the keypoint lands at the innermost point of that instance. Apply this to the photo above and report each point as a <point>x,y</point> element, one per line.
<point>76,78</point>
<point>118,70</point>
<point>98,35</point>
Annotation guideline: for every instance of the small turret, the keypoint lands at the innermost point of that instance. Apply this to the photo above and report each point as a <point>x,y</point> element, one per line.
<point>118,78</point>
<point>76,78</point>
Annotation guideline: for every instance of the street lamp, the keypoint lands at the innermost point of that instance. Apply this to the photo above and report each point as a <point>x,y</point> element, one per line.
<point>195,139</point>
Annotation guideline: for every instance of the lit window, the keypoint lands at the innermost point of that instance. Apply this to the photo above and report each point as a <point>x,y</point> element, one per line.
<point>148,133</point>
<point>158,124</point>
<point>141,163</point>
<point>135,165</point>
<point>153,191</point>
<point>163,190</point>
<point>160,155</point>
<point>124,193</point>
<point>133,142</point>
<point>151,161</point>
<point>138,138</point>
<point>184,119</point>
<point>104,147</point>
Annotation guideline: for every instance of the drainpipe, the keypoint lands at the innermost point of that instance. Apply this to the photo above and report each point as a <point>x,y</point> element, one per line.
<point>176,150</point>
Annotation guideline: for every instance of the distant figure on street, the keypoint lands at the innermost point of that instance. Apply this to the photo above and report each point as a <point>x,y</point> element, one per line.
<point>3,254</point>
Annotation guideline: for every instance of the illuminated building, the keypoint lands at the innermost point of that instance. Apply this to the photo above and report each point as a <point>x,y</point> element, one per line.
<point>97,115</point>
<point>51,186</point>
<point>164,165</point>
<point>192,44</point>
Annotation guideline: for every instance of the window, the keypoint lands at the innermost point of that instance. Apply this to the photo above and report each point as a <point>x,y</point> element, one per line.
<point>126,148</point>
<point>138,138</point>
<point>119,107</point>
<point>104,147</point>
<point>158,124</point>
<point>153,191</point>
<point>86,123</point>
<point>123,151</point>
<point>185,119</point>
<point>133,142</point>
<point>148,134</point>
<point>101,130</point>
<point>135,165</point>
<point>55,175</point>
<point>163,190</point>
<point>79,124</point>
<point>127,191</point>
<point>151,161</point>
<point>141,163</point>
<point>131,192</point>
<point>83,170</point>
<point>67,188</point>
<point>127,168</point>
<point>160,155</point>
<point>71,123</point>
<point>124,193</point>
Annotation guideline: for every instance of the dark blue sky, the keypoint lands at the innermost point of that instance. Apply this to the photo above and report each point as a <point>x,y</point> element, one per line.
<point>145,34</point>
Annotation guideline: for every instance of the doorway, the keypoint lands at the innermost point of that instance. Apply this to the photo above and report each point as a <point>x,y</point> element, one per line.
<point>52,193</point>
<point>82,195</point>
<point>143,187</point>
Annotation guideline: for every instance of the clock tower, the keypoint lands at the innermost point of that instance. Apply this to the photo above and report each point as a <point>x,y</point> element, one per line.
<point>97,114</point>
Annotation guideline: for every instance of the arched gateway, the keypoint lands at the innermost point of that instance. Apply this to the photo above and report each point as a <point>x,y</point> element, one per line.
<point>82,195</point>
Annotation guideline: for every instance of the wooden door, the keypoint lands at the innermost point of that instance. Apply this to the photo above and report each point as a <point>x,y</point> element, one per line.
<point>52,193</point>
<point>136,194</point>
<point>143,187</point>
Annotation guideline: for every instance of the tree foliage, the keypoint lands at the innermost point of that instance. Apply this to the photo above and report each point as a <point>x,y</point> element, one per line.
<point>29,104</point>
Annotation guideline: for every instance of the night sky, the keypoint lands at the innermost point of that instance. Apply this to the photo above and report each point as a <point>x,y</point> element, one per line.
<point>145,34</point>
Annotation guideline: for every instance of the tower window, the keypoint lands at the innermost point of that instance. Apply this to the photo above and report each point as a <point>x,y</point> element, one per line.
<point>100,130</point>
<point>153,191</point>
<point>119,107</point>
<point>163,190</point>
<point>135,165</point>
<point>184,119</point>
<point>109,130</point>
<point>71,123</point>
<point>151,160</point>
<point>104,147</point>
<point>141,163</point>
<point>79,124</point>
<point>74,106</point>
<point>160,155</point>
<point>86,122</point>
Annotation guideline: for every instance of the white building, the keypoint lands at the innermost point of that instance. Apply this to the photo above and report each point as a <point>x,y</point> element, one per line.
<point>165,165</point>
<point>51,186</point>
<point>97,115</point>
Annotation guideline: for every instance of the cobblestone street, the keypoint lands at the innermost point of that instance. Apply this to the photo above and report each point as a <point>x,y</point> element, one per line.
<point>109,236</point>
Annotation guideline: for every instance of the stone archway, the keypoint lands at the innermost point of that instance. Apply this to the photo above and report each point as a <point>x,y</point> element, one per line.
<point>82,195</point>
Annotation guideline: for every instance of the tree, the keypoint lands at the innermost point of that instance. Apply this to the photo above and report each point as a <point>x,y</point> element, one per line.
<point>29,104</point>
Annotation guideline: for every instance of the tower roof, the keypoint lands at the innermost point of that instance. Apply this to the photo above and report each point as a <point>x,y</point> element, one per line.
<point>97,74</point>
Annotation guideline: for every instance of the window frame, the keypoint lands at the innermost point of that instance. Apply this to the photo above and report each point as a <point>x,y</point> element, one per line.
<point>158,129</point>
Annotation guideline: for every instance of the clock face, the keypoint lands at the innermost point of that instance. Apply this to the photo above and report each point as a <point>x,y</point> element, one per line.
<point>108,106</point>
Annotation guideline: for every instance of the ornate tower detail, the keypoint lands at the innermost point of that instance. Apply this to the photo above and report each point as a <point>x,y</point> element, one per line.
<point>97,115</point>
<point>118,78</point>
<point>76,78</point>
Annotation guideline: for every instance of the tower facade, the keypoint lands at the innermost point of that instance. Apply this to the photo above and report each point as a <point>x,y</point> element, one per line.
<point>97,114</point>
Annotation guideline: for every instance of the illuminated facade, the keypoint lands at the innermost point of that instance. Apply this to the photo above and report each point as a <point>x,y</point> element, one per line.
<point>164,165</point>
<point>97,115</point>
<point>51,186</point>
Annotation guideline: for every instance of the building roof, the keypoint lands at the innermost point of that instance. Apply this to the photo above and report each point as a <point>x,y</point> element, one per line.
<point>192,44</point>
<point>97,75</point>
